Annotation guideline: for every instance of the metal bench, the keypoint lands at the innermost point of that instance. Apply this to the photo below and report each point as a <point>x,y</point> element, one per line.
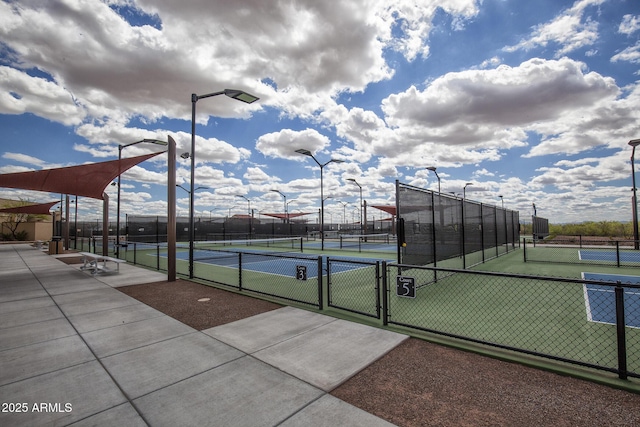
<point>97,264</point>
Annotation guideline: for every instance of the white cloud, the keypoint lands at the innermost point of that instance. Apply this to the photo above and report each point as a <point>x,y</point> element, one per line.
<point>628,54</point>
<point>21,93</point>
<point>470,116</point>
<point>23,158</point>
<point>569,30</point>
<point>285,142</point>
<point>629,25</point>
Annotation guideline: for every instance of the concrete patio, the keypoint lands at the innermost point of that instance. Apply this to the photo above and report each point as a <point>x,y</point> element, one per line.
<point>76,351</point>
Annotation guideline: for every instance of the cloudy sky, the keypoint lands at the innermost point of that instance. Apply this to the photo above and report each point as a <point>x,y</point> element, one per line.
<point>532,100</point>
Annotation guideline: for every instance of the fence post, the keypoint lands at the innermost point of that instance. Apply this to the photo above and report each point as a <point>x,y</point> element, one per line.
<point>385,295</point>
<point>135,252</point>
<point>240,271</point>
<point>378,289</point>
<point>329,282</point>
<point>621,333</point>
<point>524,248</point>
<point>158,256</point>
<point>320,302</point>
<point>482,231</point>
<point>618,252</point>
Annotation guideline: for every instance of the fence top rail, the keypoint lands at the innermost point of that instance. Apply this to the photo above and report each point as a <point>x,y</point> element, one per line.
<point>512,275</point>
<point>351,260</point>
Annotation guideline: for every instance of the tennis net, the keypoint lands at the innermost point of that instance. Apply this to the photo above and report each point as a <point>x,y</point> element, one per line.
<point>278,245</point>
<point>367,242</point>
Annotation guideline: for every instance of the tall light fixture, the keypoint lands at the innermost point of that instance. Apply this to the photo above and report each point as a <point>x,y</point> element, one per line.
<point>231,93</point>
<point>322,165</point>
<point>433,169</point>
<point>120,148</point>
<point>502,200</point>
<point>636,244</point>
<point>464,190</point>
<point>344,211</point>
<point>249,213</point>
<point>286,216</point>
<point>195,189</point>
<point>361,205</point>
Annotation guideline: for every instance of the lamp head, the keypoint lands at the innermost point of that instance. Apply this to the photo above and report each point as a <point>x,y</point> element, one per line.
<point>305,152</point>
<point>634,142</point>
<point>431,168</point>
<point>240,95</point>
<point>155,141</point>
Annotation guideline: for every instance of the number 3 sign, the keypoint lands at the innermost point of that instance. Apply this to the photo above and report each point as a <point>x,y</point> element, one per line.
<point>301,272</point>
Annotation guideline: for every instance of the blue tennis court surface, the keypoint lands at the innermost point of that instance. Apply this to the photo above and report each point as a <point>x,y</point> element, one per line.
<point>600,300</point>
<point>608,255</point>
<point>271,264</point>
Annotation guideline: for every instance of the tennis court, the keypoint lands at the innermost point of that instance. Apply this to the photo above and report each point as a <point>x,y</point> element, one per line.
<point>600,300</point>
<point>286,257</point>
<point>278,264</point>
<point>610,255</point>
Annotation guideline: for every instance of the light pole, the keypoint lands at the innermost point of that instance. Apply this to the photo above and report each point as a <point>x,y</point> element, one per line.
<point>322,165</point>
<point>464,190</point>
<point>433,169</point>
<point>288,203</point>
<point>75,225</point>
<point>231,93</point>
<point>344,211</point>
<point>636,244</point>
<point>502,200</point>
<point>195,189</point>
<point>286,216</point>
<point>249,213</point>
<point>361,205</point>
<point>120,148</point>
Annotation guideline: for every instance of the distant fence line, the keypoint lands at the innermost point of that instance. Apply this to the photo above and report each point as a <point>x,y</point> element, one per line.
<point>153,229</point>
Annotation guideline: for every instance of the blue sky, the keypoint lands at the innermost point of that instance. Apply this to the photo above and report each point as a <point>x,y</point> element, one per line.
<point>534,101</point>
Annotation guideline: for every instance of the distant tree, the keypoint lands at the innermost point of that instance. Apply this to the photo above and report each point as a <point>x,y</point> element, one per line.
<point>591,228</point>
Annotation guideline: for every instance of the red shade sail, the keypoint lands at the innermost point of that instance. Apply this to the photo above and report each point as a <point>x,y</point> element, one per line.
<point>88,180</point>
<point>34,209</point>
<point>391,210</point>
<point>285,216</point>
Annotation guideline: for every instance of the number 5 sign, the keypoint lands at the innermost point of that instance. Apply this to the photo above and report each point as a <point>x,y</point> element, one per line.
<point>406,286</point>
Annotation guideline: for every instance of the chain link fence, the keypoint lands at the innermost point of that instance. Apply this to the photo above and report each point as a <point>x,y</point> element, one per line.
<point>288,277</point>
<point>606,252</point>
<point>354,286</point>
<point>444,230</point>
<point>592,323</point>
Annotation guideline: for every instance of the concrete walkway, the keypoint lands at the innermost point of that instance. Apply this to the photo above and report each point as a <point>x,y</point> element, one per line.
<point>76,351</point>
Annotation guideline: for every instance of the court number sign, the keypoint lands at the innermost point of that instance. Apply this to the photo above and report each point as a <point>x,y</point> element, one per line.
<point>405,286</point>
<point>301,272</point>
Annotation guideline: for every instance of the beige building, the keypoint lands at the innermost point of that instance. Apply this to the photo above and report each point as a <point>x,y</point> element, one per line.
<point>36,226</point>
